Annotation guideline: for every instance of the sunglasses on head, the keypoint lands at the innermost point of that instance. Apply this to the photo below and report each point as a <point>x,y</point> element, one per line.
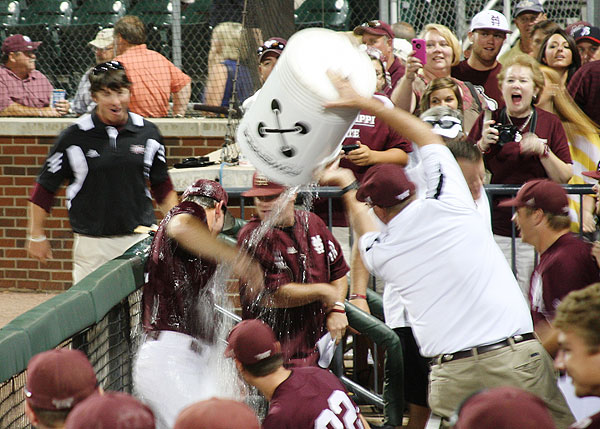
<point>445,122</point>
<point>104,67</point>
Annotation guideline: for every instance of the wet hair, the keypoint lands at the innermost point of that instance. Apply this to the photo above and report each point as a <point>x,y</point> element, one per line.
<point>437,84</point>
<point>447,34</point>
<point>132,29</point>
<point>50,418</point>
<point>578,312</point>
<point>524,60</point>
<point>110,79</point>
<point>575,56</point>
<point>264,367</point>
<point>462,149</point>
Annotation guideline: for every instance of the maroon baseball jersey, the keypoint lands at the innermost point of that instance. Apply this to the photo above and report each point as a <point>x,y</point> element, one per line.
<point>509,166</point>
<point>565,266</point>
<point>396,71</point>
<point>304,253</point>
<point>374,133</point>
<point>312,398</point>
<point>176,281</point>
<point>584,87</point>
<point>486,82</point>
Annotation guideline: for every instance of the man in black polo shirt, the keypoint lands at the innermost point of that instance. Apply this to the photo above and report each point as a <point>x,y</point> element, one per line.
<point>107,157</point>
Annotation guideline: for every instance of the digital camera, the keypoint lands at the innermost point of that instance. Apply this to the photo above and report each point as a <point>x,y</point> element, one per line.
<point>506,133</point>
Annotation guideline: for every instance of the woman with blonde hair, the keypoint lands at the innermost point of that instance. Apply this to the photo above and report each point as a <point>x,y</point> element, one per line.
<point>443,52</point>
<point>227,54</point>
<point>531,144</point>
<point>584,143</point>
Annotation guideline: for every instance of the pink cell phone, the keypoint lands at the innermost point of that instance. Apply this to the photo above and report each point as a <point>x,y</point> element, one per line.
<point>420,50</point>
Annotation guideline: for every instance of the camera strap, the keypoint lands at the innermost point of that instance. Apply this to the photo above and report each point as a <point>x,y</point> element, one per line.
<point>532,121</point>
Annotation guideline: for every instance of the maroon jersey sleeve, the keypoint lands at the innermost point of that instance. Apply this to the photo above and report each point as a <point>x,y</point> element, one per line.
<point>476,130</point>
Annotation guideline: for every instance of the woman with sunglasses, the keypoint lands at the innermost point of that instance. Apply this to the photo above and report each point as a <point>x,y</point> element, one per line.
<point>531,144</point>
<point>107,157</point>
<point>443,52</point>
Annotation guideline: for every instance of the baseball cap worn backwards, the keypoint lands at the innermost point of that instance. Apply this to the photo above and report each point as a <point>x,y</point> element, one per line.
<point>540,194</point>
<point>375,27</point>
<point>112,410</point>
<point>19,43</point>
<point>252,341</point>
<point>59,379</point>
<point>217,413</point>
<point>490,20</point>
<point>527,6</point>
<point>385,185</point>
<point>103,39</point>
<point>271,48</point>
<point>206,188</point>
<point>263,187</point>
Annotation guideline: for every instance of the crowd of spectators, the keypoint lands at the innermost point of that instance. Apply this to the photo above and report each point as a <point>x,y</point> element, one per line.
<point>419,213</point>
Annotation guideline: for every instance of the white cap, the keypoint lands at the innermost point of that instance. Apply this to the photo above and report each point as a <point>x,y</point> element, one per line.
<point>103,39</point>
<point>490,20</point>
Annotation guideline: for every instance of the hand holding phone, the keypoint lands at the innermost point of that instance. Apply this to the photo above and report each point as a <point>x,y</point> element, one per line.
<point>419,46</point>
<point>350,147</point>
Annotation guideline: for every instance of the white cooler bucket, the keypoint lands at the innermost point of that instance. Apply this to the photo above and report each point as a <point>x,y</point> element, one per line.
<point>287,134</point>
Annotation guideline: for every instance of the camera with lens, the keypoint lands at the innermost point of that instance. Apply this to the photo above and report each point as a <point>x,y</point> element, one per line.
<point>506,133</point>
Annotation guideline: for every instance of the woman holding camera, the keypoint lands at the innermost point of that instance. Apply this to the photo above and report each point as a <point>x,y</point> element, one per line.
<point>520,142</point>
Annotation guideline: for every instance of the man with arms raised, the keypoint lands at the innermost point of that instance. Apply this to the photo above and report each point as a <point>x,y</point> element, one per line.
<point>463,302</point>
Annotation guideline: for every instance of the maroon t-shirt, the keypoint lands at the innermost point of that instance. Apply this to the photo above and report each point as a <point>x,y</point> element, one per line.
<point>312,398</point>
<point>177,282</point>
<point>396,71</point>
<point>304,253</point>
<point>486,82</point>
<point>584,87</point>
<point>375,134</point>
<point>592,422</point>
<point>565,266</point>
<point>509,166</point>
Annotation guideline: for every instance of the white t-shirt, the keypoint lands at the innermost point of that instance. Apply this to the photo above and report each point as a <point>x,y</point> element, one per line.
<point>439,256</point>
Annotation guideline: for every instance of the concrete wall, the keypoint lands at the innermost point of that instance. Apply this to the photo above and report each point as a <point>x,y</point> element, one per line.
<point>24,145</point>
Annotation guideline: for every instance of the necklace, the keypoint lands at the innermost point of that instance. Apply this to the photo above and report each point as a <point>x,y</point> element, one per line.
<point>524,124</point>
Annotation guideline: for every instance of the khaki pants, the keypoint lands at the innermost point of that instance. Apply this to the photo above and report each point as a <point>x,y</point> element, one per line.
<point>89,253</point>
<point>526,365</point>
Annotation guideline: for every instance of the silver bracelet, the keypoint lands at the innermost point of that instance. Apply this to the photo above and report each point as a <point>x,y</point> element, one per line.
<point>37,239</point>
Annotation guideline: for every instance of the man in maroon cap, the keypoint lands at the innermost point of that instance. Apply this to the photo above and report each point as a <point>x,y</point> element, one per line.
<point>57,380</point>
<point>380,35</point>
<point>305,273</point>
<point>217,413</point>
<point>25,91</point>
<point>302,398</point>
<point>113,410</point>
<point>503,408</point>
<point>566,262</point>
<point>178,301</point>
<point>268,54</point>
<point>463,302</point>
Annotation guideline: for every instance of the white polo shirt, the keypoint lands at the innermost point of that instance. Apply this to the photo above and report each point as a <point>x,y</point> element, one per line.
<point>439,256</point>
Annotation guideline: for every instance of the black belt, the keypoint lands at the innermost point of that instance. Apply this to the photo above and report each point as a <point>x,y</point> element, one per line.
<point>482,349</point>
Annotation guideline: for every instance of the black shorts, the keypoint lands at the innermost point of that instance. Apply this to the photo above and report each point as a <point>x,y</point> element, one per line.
<point>416,369</point>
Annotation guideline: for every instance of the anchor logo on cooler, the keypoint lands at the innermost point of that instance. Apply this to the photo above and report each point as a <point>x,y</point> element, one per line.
<point>299,128</point>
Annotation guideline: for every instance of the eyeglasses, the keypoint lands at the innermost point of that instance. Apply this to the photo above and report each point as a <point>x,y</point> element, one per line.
<point>272,45</point>
<point>104,67</point>
<point>445,122</point>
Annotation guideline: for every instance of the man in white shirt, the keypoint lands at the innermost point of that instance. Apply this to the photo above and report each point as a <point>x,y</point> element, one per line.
<point>463,302</point>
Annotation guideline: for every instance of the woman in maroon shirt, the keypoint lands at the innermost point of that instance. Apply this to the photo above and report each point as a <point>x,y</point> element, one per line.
<point>532,145</point>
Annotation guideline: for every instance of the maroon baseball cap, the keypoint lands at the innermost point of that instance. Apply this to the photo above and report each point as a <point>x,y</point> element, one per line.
<point>251,341</point>
<point>263,187</point>
<point>385,185</point>
<point>206,188</point>
<point>587,33</point>
<point>376,27</point>
<point>504,408</point>
<point>271,48</point>
<point>593,174</point>
<point>217,413</point>
<point>19,43</point>
<point>111,410</point>
<point>59,379</point>
<point>540,194</point>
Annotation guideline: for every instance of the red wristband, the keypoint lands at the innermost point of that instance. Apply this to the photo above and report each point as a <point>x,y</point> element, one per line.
<point>337,310</point>
<point>357,295</point>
